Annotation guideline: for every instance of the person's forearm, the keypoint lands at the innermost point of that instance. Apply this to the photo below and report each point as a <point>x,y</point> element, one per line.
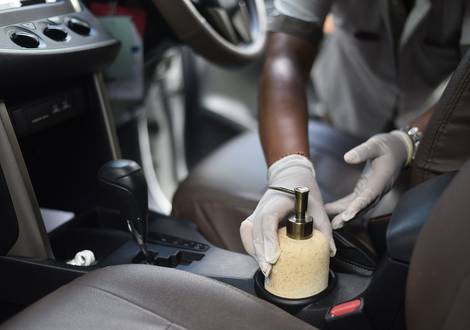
<point>283,115</point>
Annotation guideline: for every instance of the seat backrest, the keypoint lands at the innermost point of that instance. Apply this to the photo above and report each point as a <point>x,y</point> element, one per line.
<point>438,286</point>
<point>444,147</point>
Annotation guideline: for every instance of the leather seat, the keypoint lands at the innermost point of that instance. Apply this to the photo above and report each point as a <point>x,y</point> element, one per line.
<point>225,188</point>
<point>438,284</point>
<point>151,297</point>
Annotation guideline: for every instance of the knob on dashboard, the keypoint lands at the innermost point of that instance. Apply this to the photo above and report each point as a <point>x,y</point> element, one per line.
<point>79,26</point>
<point>25,39</point>
<point>55,33</point>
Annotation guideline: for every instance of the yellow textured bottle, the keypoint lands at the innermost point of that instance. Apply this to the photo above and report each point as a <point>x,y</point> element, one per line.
<point>302,269</point>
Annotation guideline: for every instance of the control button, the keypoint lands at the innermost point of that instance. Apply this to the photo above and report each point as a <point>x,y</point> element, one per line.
<point>79,26</point>
<point>30,26</point>
<point>346,308</point>
<point>25,39</point>
<point>55,33</point>
<point>56,20</point>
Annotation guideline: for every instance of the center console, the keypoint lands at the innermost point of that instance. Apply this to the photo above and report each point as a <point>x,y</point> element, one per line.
<point>55,132</point>
<point>53,114</point>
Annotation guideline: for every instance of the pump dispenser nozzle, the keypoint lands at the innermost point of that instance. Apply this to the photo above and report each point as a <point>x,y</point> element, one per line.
<point>299,226</point>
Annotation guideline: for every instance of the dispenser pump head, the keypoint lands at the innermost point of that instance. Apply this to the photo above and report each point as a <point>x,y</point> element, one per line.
<point>299,226</point>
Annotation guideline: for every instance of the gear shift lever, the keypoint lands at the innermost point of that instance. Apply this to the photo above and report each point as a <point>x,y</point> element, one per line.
<point>124,187</point>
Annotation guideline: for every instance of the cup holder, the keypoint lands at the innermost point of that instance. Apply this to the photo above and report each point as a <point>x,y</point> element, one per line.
<point>292,306</point>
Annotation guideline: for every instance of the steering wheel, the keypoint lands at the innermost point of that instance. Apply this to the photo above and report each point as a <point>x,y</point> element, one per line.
<point>226,32</point>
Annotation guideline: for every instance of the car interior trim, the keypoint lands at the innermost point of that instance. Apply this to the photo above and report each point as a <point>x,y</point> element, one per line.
<point>157,197</point>
<point>107,117</point>
<point>37,12</point>
<point>32,237</point>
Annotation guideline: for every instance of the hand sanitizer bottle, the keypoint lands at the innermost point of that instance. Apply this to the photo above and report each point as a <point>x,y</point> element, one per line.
<point>302,269</point>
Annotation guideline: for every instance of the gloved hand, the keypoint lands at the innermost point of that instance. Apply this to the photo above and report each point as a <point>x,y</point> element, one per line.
<point>259,230</point>
<point>386,154</point>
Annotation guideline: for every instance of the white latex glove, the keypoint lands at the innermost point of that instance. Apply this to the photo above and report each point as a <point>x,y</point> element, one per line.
<point>386,154</point>
<point>259,230</point>
<point>83,258</point>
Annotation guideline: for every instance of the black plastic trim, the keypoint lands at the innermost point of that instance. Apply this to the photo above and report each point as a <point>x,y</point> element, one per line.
<point>23,281</point>
<point>292,306</point>
<point>9,232</point>
<point>411,214</point>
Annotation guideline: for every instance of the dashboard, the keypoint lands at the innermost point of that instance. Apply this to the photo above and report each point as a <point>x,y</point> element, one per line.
<point>40,38</point>
<point>11,4</point>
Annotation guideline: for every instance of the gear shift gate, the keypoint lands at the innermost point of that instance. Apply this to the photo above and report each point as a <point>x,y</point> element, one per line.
<point>169,259</point>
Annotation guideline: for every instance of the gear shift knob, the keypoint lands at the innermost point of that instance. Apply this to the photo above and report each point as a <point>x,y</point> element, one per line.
<point>124,188</point>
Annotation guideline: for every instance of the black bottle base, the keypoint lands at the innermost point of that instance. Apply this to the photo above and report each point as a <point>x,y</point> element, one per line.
<point>292,306</point>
